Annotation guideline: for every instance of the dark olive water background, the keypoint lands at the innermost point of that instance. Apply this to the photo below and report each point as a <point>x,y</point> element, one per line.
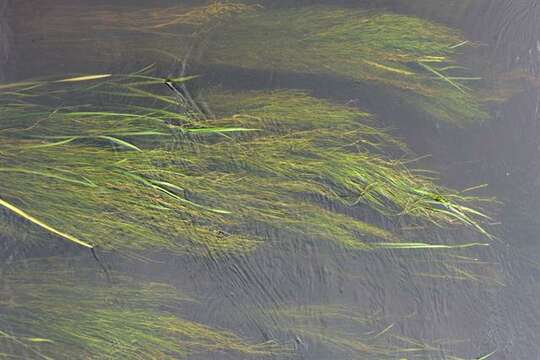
<point>503,152</point>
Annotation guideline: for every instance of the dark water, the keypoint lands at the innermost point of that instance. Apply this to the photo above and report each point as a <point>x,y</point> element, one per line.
<point>497,311</point>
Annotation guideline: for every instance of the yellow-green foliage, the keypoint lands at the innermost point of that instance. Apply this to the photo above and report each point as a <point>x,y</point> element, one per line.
<point>118,165</point>
<point>412,57</point>
<point>335,152</point>
<point>52,310</point>
<point>416,65</point>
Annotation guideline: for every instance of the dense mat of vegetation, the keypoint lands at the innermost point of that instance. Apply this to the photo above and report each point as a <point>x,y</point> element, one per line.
<point>54,309</point>
<point>133,163</point>
<point>417,65</point>
<point>117,164</point>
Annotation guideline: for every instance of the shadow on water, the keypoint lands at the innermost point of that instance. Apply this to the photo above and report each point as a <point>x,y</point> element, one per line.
<point>317,299</point>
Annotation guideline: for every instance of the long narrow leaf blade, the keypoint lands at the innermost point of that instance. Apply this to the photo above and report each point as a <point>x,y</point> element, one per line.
<point>85,78</point>
<point>41,224</point>
<point>120,142</point>
<point>424,245</point>
<point>58,143</point>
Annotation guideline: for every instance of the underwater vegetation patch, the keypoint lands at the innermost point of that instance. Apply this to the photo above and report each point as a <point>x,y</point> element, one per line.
<point>59,19</point>
<point>340,329</point>
<point>118,163</point>
<point>80,37</point>
<point>155,18</point>
<point>71,163</point>
<point>49,310</point>
<point>413,58</point>
<point>418,66</point>
<point>134,163</point>
<point>339,151</point>
<point>459,268</point>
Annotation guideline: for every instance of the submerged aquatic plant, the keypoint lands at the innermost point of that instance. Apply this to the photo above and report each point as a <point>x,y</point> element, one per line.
<point>117,163</point>
<point>134,18</point>
<point>411,57</point>
<point>51,310</point>
<point>82,37</point>
<point>418,65</point>
<point>156,18</point>
<point>338,154</point>
<point>339,329</point>
<point>62,168</point>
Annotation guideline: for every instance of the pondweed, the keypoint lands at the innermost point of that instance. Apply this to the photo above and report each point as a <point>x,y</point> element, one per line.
<point>51,310</point>
<point>417,65</point>
<point>116,162</point>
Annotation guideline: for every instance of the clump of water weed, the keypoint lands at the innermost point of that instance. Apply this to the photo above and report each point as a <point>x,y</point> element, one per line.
<point>65,168</point>
<point>413,58</point>
<point>120,164</point>
<point>417,66</point>
<point>340,153</point>
<point>50,310</point>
